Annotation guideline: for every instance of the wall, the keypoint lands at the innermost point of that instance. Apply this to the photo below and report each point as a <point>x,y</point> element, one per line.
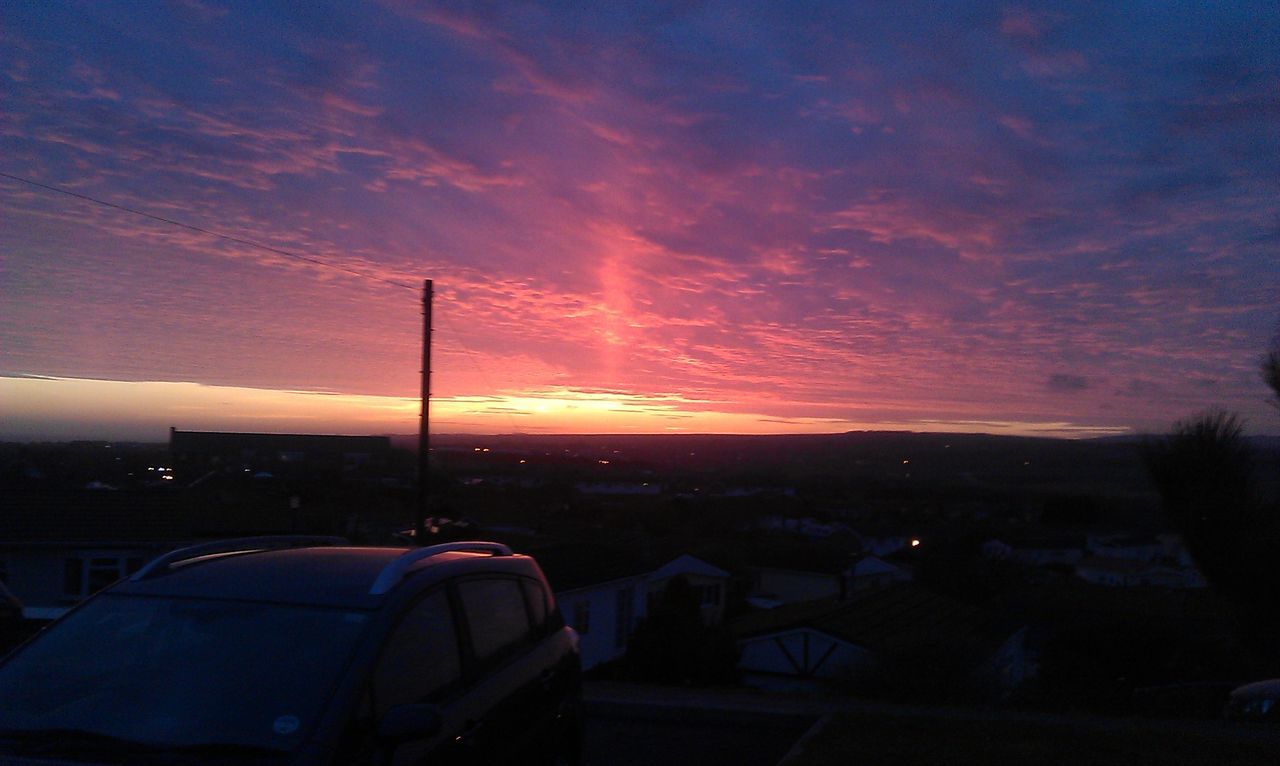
<point>601,642</point>
<point>790,586</point>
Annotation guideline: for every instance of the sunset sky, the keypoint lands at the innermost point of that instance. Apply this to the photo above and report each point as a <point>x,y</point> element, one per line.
<point>1046,218</point>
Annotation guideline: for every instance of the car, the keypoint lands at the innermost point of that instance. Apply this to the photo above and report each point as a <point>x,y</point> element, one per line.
<point>1258,701</point>
<point>303,650</point>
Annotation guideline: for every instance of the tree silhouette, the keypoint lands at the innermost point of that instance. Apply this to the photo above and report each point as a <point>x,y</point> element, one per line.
<point>1271,370</point>
<point>1203,471</point>
<point>672,645</point>
<point>1204,474</point>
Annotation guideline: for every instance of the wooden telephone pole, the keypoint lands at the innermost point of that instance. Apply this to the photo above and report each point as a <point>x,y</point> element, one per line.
<point>424,426</point>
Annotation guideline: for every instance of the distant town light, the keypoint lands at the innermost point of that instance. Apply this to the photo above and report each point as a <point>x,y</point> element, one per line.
<point>603,462</point>
<point>915,543</point>
<point>904,462</point>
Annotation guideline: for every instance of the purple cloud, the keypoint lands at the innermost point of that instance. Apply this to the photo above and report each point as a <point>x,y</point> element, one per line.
<point>911,213</point>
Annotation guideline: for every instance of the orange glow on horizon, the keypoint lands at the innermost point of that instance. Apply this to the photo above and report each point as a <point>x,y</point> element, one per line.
<point>70,408</point>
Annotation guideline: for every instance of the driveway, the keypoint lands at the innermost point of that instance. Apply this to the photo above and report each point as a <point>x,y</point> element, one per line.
<point>638,734</point>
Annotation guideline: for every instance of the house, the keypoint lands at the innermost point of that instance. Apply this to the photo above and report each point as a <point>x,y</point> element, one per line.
<point>1127,547</point>
<point>710,584</point>
<point>807,527</point>
<point>1038,550</point>
<point>872,572</point>
<point>791,648</point>
<point>605,591</point>
<point>885,545</point>
<point>813,645</point>
<point>772,586</point>
<point>794,572</point>
<point>1131,573</point>
<point>602,592</point>
<point>57,547</point>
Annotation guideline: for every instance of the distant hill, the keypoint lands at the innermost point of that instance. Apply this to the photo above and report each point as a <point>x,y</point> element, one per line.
<point>1109,466</point>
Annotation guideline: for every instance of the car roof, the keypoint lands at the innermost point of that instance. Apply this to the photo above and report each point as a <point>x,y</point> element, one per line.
<point>1269,688</point>
<point>334,576</point>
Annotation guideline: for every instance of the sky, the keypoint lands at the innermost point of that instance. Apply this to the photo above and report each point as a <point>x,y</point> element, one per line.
<point>1028,218</point>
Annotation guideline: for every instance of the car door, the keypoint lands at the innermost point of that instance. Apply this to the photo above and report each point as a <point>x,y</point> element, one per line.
<point>422,661</point>
<point>508,667</point>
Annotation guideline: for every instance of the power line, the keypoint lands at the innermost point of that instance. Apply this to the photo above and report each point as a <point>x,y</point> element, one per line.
<point>207,232</point>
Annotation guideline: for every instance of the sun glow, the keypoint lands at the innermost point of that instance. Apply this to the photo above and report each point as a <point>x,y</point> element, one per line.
<point>72,408</point>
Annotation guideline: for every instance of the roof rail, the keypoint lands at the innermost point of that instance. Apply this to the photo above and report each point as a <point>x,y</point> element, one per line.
<point>163,564</point>
<point>394,572</point>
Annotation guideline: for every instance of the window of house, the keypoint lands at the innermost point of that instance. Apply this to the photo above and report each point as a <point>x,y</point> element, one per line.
<point>495,613</point>
<point>421,657</point>
<point>84,576</point>
<point>582,617</point>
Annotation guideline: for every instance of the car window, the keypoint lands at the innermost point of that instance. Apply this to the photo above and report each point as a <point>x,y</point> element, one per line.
<point>495,613</point>
<point>536,597</point>
<point>172,671</point>
<point>421,657</point>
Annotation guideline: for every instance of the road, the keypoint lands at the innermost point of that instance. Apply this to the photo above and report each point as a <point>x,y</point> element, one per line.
<point>643,735</point>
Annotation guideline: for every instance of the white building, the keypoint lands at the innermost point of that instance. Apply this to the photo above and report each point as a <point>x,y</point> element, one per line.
<point>604,614</point>
<point>710,584</point>
<point>872,572</point>
<point>1128,573</point>
<point>604,593</point>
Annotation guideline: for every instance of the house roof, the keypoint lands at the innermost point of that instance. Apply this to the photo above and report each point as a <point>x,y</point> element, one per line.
<point>1045,541</point>
<point>882,619</point>
<point>685,564</point>
<point>1120,566</point>
<point>92,515</point>
<point>1123,540</point>
<point>870,566</point>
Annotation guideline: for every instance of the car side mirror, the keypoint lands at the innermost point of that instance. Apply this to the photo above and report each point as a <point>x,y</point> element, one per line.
<point>405,723</point>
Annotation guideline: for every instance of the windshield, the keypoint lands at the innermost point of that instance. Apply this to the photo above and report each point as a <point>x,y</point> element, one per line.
<point>164,671</point>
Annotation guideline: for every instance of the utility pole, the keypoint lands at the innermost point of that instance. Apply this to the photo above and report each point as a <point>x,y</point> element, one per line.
<point>424,426</point>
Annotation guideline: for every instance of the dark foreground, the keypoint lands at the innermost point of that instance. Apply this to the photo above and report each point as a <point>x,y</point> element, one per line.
<point>916,740</point>
<point>637,735</point>
<point>667,726</point>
